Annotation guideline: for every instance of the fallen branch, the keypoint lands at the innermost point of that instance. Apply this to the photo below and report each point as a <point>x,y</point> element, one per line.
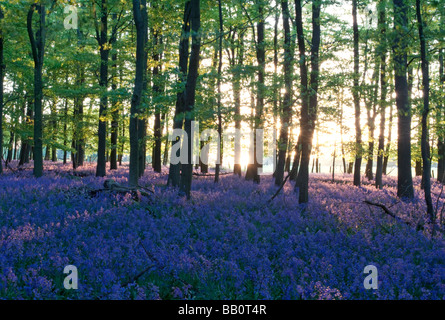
<point>279,189</point>
<point>392,214</point>
<point>136,277</point>
<point>210,174</point>
<point>112,186</point>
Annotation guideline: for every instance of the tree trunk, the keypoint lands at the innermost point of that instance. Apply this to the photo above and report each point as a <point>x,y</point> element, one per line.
<point>157,162</point>
<point>139,9</point>
<point>220,57</point>
<point>252,169</point>
<point>178,120</point>
<point>356,97</point>
<point>309,114</point>
<point>38,47</point>
<point>383,91</point>
<point>102,38</point>
<point>425,148</point>
<point>114,109</point>
<point>190,90</point>
<point>142,120</point>
<point>287,99</point>
<point>441,111</point>
<point>404,180</point>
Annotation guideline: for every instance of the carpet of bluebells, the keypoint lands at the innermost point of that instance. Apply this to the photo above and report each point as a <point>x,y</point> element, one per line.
<point>227,242</point>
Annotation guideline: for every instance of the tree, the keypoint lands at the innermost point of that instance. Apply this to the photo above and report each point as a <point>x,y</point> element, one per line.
<point>404,178</point>
<point>139,9</point>
<point>220,61</point>
<point>356,97</point>
<point>308,96</point>
<point>105,43</point>
<point>190,93</point>
<point>38,50</point>
<point>252,168</point>
<point>425,147</point>
<point>441,107</point>
<point>178,120</point>
<point>381,51</point>
<point>287,99</point>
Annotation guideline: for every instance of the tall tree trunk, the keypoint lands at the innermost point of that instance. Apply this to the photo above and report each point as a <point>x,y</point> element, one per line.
<point>308,109</point>
<point>190,93</point>
<point>276,80</point>
<point>78,142</point>
<point>157,164</point>
<point>252,169</point>
<point>356,97</point>
<point>102,38</point>
<point>142,119</point>
<point>236,75</point>
<point>383,91</point>
<point>139,9</point>
<point>220,57</point>
<point>38,47</point>
<point>404,180</point>
<point>372,101</point>
<point>178,120</point>
<point>425,148</point>
<point>441,110</point>
<point>114,109</point>
<point>287,99</point>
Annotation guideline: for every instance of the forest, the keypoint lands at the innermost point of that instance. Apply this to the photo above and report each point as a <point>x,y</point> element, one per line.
<point>222,149</point>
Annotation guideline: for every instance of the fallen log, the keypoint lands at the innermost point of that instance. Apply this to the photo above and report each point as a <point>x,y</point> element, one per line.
<point>111,186</point>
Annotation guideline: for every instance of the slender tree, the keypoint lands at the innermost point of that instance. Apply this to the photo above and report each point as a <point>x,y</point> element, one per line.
<point>38,48</point>
<point>220,61</point>
<point>425,147</point>
<point>190,93</point>
<point>381,51</point>
<point>287,99</point>
<point>178,120</point>
<point>139,9</point>
<point>309,96</point>
<point>356,97</point>
<point>404,178</point>
<point>252,168</point>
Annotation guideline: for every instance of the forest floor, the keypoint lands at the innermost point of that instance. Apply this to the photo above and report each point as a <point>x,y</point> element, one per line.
<point>227,242</point>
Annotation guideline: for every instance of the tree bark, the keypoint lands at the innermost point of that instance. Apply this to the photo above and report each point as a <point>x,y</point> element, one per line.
<point>220,57</point>
<point>287,98</point>
<point>252,169</point>
<point>178,120</point>
<point>383,92</point>
<point>157,163</point>
<point>425,147</point>
<point>190,93</point>
<point>38,47</point>
<point>114,109</point>
<point>356,98</point>
<point>309,109</point>
<point>404,178</point>
<point>138,12</point>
